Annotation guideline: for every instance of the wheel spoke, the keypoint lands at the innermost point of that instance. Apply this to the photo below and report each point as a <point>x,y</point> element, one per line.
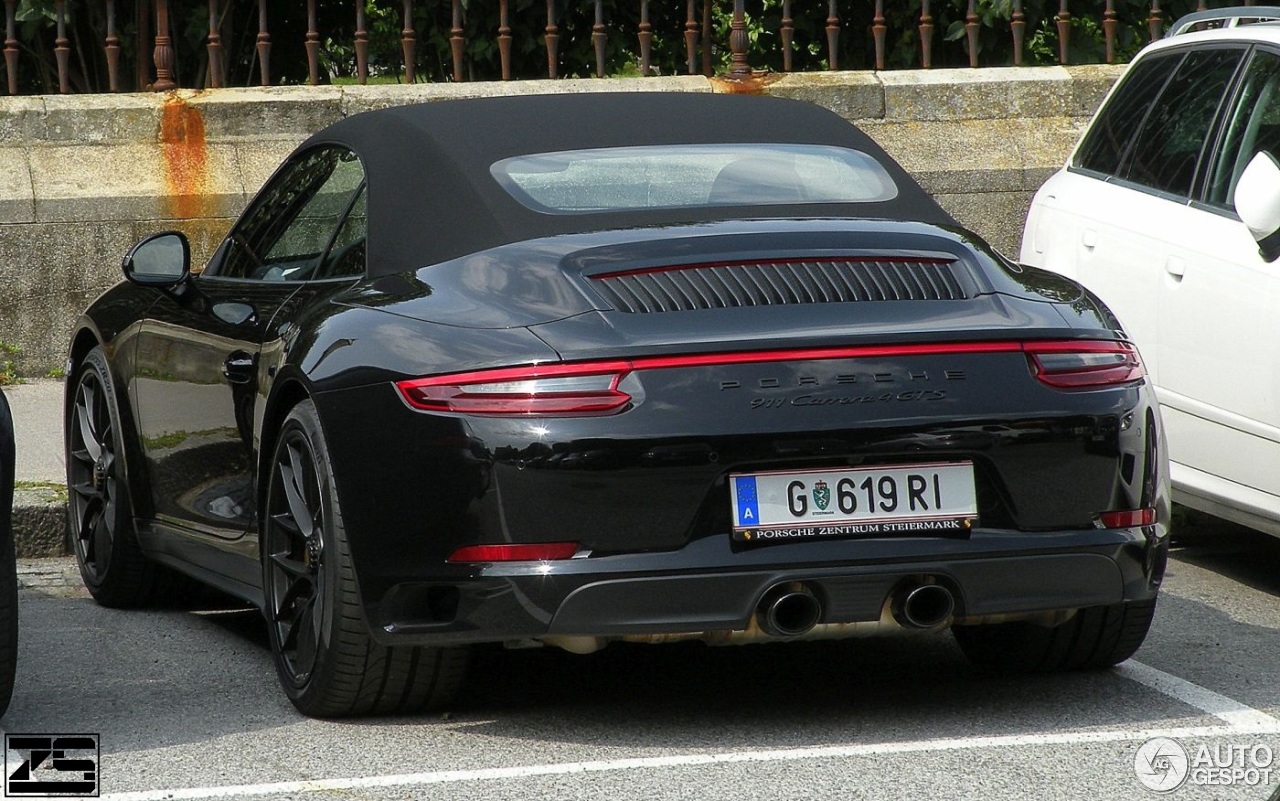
<point>102,536</point>
<point>92,514</point>
<point>85,490</point>
<point>308,635</point>
<point>297,589</point>
<point>106,430</point>
<point>293,567</point>
<point>291,480</point>
<point>285,521</point>
<point>109,495</point>
<point>86,425</point>
<point>299,625</point>
<point>290,641</point>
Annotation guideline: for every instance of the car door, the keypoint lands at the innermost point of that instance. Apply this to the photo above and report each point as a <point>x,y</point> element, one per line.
<point>1219,334</point>
<point>200,379</point>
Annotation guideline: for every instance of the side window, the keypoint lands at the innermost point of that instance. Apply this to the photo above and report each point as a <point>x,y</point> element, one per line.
<point>287,231</point>
<point>1168,148</point>
<point>1111,135</point>
<point>1253,124</point>
<point>346,255</point>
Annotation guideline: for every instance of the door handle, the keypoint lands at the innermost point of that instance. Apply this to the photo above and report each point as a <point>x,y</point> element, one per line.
<point>239,368</point>
<point>1175,266</point>
<point>1089,238</point>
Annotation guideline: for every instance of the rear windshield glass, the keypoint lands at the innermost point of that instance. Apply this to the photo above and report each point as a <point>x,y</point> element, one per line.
<point>622,178</point>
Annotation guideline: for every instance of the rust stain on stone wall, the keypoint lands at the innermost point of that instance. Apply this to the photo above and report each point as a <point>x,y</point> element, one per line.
<point>186,158</point>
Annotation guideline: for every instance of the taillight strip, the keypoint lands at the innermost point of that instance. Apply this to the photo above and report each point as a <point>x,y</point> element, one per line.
<point>821,354</point>
<point>448,392</point>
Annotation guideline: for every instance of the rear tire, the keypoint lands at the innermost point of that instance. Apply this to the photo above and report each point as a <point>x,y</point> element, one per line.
<point>328,664</point>
<point>99,513</point>
<point>1096,637</point>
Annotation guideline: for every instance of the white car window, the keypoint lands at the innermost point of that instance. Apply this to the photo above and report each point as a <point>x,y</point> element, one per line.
<point>1111,135</point>
<point>1169,145</point>
<point>1253,125</point>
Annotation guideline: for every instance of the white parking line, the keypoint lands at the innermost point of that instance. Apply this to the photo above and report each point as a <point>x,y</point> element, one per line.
<point>1240,719</point>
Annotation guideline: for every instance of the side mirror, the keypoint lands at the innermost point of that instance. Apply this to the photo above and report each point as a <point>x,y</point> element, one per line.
<point>1258,202</point>
<point>161,260</point>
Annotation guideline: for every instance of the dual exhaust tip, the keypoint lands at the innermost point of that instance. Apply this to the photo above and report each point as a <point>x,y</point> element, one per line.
<point>923,606</point>
<point>793,609</point>
<point>789,610</point>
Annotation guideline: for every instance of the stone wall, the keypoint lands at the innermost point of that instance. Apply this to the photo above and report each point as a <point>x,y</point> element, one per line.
<point>83,177</point>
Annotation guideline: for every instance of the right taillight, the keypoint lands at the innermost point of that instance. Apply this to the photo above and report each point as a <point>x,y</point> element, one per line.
<point>1085,364</point>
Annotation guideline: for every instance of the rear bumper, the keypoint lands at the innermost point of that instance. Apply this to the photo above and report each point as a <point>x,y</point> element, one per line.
<point>707,587</point>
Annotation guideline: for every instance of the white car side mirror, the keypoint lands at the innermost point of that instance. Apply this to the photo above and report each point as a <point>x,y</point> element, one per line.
<point>1258,202</point>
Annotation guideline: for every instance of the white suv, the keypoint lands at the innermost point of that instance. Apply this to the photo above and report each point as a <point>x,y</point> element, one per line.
<point>1169,209</point>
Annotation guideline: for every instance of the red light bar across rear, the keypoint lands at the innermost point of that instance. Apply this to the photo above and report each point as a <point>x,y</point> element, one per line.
<point>592,388</point>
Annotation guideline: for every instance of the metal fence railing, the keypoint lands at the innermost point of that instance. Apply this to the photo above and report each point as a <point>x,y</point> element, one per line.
<point>117,45</point>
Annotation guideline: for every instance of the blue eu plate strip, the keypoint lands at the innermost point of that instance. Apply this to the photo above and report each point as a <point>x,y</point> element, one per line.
<point>748,502</point>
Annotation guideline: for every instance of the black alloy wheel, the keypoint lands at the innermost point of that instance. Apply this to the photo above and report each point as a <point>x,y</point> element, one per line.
<point>328,664</point>
<point>295,555</point>
<point>105,542</point>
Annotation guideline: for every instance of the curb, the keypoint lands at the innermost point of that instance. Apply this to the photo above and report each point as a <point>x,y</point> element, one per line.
<point>40,522</point>
<point>51,577</point>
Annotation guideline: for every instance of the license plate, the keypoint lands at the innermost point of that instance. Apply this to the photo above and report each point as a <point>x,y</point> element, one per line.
<point>937,498</point>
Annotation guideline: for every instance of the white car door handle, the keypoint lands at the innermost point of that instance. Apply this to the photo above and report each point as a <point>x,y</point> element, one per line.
<point>1089,238</point>
<point>1175,266</point>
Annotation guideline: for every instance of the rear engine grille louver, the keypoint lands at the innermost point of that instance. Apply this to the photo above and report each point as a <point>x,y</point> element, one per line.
<point>777,283</point>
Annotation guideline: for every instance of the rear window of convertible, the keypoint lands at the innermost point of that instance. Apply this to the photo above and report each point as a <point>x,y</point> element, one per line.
<point>680,176</point>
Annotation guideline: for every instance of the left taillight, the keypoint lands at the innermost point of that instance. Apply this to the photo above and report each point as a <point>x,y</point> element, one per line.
<point>1085,364</point>
<point>549,390</point>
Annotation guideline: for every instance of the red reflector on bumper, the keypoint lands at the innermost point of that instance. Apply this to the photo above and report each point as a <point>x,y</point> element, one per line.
<point>1128,518</point>
<point>533,552</point>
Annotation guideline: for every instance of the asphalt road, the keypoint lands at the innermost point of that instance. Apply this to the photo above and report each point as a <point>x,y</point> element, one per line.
<point>186,706</point>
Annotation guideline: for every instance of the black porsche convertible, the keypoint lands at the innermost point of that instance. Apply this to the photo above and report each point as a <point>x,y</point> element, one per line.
<point>673,367</point>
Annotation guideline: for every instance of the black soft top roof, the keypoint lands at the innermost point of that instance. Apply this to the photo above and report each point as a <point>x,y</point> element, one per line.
<point>432,197</point>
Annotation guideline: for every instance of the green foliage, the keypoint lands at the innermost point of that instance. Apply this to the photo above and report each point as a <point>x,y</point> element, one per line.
<point>9,363</point>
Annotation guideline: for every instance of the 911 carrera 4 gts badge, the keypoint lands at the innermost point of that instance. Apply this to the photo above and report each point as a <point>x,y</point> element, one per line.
<point>821,495</point>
